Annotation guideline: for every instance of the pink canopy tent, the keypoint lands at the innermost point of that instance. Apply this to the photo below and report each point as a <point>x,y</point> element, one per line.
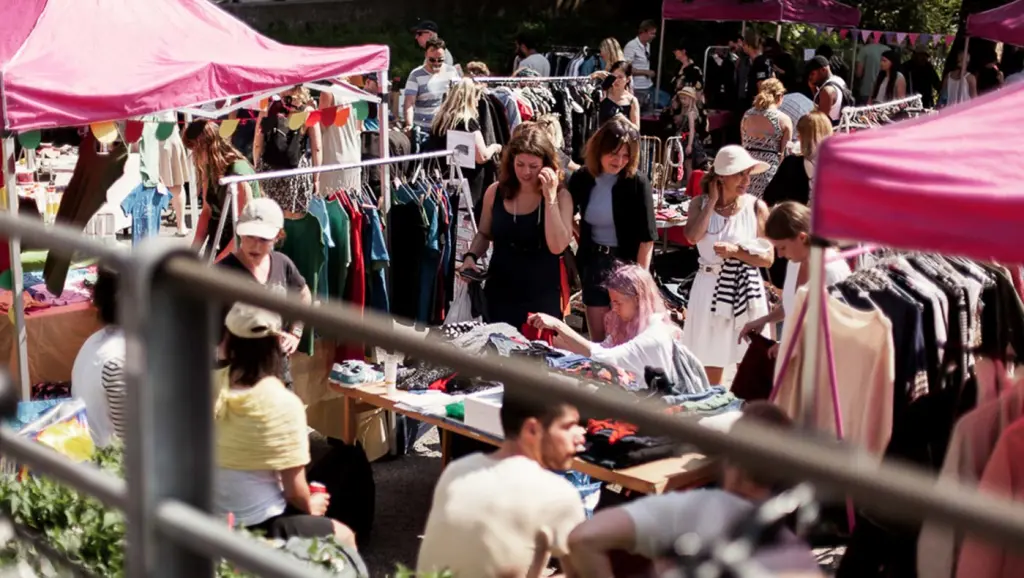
<point>823,12</point>
<point>73,62</point>
<point>1003,24</point>
<point>948,183</point>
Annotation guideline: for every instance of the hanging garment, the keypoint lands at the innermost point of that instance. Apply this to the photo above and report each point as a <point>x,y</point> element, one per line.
<point>318,208</point>
<point>339,257</point>
<point>355,291</point>
<point>304,245</point>
<point>865,372</point>
<point>84,195</point>
<point>376,254</point>
<point>145,205</point>
<point>172,158</point>
<point>408,227</point>
<point>973,441</point>
<point>755,373</point>
<point>341,145</point>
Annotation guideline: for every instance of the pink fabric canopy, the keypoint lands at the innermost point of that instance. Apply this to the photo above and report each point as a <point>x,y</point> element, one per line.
<point>949,183</point>
<point>73,62</point>
<point>1003,24</point>
<point>823,12</point>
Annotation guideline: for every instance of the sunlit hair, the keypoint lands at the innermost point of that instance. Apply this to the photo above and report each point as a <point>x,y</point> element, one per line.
<point>611,52</point>
<point>459,107</point>
<point>787,220</point>
<point>301,98</point>
<point>615,133</point>
<point>770,92</point>
<point>525,142</point>
<point>812,129</point>
<point>551,125</point>
<point>634,281</point>
<point>211,153</point>
<point>476,68</point>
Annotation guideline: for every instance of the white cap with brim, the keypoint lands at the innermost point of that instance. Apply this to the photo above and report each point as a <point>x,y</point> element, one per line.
<point>734,159</point>
<point>261,218</point>
<point>251,322</point>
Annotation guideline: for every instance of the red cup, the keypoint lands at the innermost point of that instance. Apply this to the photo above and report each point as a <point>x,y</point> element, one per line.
<point>317,488</point>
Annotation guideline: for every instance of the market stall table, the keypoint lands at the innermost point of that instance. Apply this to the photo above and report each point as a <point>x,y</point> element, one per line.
<point>55,334</point>
<point>687,471</point>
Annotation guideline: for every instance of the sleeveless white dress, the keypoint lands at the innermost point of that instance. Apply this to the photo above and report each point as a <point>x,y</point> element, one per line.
<point>714,339</point>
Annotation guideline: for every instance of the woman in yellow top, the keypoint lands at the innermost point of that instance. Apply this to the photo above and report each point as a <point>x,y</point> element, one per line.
<point>262,437</point>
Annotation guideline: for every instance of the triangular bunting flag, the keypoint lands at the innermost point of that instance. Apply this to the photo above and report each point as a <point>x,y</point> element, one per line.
<point>361,110</point>
<point>30,139</point>
<point>327,116</point>
<point>228,127</point>
<point>877,35</point>
<point>901,37</point>
<point>164,130</point>
<point>264,103</point>
<point>949,39</point>
<point>297,120</point>
<point>313,119</point>
<point>864,35</point>
<point>105,132</point>
<point>913,38</point>
<point>843,33</point>
<point>828,30</point>
<point>926,39</point>
<point>341,118</point>
<point>133,131</point>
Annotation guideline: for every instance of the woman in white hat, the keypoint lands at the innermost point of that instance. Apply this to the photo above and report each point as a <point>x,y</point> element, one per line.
<point>727,225</point>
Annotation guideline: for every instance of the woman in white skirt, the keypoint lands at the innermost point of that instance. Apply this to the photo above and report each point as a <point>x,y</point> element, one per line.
<point>727,225</point>
<point>174,167</point>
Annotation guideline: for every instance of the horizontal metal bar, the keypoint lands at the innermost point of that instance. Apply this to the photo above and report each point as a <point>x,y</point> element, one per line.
<point>61,239</point>
<point>889,490</point>
<point>207,535</point>
<point>84,477</point>
<point>331,168</point>
<point>514,79</point>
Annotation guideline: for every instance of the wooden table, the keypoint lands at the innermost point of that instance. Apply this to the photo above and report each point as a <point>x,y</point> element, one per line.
<point>670,474</point>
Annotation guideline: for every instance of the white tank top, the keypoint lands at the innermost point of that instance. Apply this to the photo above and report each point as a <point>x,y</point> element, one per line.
<point>957,91</point>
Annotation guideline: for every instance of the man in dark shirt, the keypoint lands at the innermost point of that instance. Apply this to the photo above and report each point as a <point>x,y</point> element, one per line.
<point>259,227</point>
<point>761,67</point>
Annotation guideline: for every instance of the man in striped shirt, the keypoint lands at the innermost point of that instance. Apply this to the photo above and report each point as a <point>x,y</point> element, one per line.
<point>425,90</point>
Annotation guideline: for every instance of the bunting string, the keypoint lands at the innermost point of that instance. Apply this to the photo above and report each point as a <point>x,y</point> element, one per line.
<point>912,39</point>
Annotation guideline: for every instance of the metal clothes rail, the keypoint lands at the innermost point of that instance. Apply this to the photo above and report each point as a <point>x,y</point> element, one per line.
<point>528,79</point>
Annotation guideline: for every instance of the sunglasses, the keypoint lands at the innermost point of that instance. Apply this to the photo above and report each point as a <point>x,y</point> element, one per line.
<point>625,133</point>
<point>435,60</point>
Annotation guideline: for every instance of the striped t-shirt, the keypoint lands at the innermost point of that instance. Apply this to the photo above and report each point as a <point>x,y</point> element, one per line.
<point>429,90</point>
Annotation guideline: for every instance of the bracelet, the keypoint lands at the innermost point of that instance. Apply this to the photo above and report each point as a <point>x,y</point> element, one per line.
<point>468,254</point>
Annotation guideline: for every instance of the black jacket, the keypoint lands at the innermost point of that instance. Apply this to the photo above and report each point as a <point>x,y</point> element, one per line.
<point>790,183</point>
<point>632,205</point>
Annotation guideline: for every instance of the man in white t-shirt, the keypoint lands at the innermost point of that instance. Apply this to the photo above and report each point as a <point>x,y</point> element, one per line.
<point>528,57</point>
<point>506,513</point>
<point>638,52</point>
<point>97,376</point>
<point>651,526</point>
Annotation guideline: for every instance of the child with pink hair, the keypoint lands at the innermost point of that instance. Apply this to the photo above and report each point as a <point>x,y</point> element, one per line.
<point>640,333</point>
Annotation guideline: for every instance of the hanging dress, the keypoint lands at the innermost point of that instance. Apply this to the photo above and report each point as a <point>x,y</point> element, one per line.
<point>523,276</point>
<point>714,338</point>
<point>765,149</point>
<point>341,145</point>
<point>957,90</point>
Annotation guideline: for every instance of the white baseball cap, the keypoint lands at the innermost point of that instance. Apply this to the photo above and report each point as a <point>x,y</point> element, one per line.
<point>734,159</point>
<point>261,218</point>
<point>251,322</point>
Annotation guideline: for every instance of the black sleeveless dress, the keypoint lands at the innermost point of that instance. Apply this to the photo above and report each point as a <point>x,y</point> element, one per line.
<point>524,276</point>
<point>609,109</point>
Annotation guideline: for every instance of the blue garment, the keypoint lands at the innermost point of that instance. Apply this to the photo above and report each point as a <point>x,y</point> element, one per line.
<point>600,214</point>
<point>591,65</point>
<point>318,208</point>
<point>590,491</point>
<point>144,205</point>
<point>430,263</point>
<point>375,252</point>
<point>508,100</point>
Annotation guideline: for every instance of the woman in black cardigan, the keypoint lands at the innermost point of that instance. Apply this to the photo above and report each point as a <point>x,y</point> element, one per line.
<point>615,210</point>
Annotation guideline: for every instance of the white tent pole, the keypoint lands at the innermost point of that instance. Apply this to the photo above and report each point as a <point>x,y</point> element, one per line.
<point>812,336</point>
<point>963,66</point>
<point>17,275</point>
<point>778,32</point>
<point>384,144</point>
<point>661,56</point>
<point>743,28</point>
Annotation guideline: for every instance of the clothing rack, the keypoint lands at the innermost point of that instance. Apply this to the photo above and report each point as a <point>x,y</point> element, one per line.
<point>527,79</point>
<point>846,120</point>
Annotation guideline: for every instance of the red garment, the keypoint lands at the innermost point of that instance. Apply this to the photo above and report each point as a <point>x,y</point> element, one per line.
<point>442,384</point>
<point>355,289</point>
<point>533,334</point>
<point>525,111</point>
<point>565,294</point>
<point>619,429</point>
<point>693,187</point>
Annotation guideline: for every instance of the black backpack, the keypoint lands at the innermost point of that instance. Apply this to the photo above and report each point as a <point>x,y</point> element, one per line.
<point>282,146</point>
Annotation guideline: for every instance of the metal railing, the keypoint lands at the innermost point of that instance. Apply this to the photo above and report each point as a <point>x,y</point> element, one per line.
<point>167,296</point>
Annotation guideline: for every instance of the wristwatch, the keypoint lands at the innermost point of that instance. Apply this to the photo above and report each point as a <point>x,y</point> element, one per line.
<point>470,254</point>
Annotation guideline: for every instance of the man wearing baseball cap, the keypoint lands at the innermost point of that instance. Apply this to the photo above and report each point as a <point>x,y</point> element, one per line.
<point>424,31</point>
<point>259,227</point>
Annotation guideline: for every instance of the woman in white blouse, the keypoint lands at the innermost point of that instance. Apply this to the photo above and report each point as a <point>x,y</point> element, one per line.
<point>640,333</point>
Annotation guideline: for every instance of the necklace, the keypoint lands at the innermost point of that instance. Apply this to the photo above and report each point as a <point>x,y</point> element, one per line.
<point>727,208</point>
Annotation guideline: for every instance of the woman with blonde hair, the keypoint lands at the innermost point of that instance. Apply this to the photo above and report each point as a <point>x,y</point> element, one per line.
<point>294,193</point>
<point>528,218</point>
<point>214,157</point>
<point>459,112</point>
<point>766,132</point>
<point>611,52</point>
<point>794,179</point>
<point>551,124</point>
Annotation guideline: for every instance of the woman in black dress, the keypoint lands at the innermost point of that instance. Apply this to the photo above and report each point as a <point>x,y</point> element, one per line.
<point>528,216</point>
<point>618,95</point>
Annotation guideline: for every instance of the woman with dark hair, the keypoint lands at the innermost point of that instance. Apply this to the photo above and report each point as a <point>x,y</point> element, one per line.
<point>528,217</point>
<point>615,205</point>
<point>959,85</point>
<point>988,74</point>
<point>262,438</point>
<point>97,376</point>
<point>618,95</point>
<point>890,83</point>
<point>214,157</point>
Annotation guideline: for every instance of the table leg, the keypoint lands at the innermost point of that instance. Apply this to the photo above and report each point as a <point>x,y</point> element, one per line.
<point>349,421</point>
<point>446,445</point>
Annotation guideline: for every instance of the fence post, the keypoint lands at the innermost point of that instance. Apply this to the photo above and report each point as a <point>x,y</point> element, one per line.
<point>169,451</point>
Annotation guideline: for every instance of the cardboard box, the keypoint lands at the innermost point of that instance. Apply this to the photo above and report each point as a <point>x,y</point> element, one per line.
<point>483,412</point>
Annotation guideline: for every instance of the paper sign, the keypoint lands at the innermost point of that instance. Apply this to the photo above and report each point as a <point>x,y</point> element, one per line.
<point>464,145</point>
<point>808,53</point>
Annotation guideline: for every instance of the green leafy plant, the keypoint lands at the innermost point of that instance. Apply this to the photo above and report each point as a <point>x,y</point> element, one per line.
<point>405,572</point>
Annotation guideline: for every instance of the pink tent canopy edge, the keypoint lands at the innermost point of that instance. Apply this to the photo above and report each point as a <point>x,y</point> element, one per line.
<point>948,182</point>
<point>822,12</point>
<point>74,62</point>
<point>1003,24</point>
